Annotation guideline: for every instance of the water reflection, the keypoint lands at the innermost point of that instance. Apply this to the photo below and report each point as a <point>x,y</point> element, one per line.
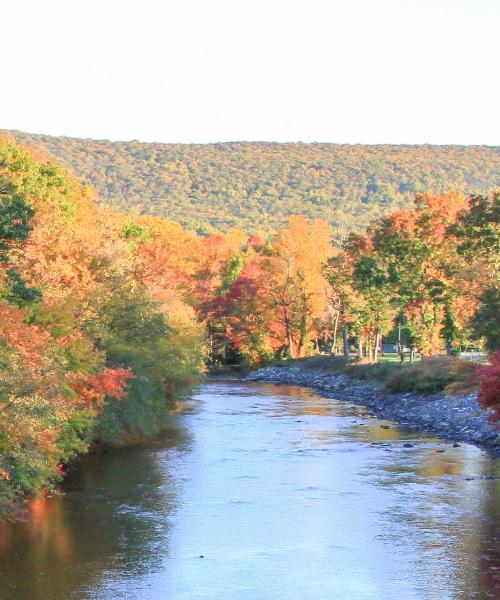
<point>284,493</point>
<point>113,518</point>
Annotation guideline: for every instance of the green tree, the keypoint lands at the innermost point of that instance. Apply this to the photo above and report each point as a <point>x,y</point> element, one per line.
<point>486,322</point>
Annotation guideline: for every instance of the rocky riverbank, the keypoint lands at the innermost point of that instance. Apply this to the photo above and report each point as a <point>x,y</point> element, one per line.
<point>456,418</point>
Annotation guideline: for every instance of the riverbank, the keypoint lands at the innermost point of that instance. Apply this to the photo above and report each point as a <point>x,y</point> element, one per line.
<point>458,418</point>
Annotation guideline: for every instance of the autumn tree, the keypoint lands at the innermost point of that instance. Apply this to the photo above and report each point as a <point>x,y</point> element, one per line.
<point>422,266</point>
<point>294,278</point>
<point>249,315</point>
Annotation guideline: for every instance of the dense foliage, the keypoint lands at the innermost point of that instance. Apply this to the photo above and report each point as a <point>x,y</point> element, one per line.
<point>297,291</point>
<point>90,349</point>
<point>258,186</point>
<point>428,276</point>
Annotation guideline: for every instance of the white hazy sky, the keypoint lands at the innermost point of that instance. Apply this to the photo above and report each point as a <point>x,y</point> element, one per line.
<point>355,71</point>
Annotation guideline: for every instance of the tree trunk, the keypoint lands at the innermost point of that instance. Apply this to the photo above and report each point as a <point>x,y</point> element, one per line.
<point>401,352</point>
<point>288,331</point>
<point>335,326</point>
<point>210,341</point>
<point>360,347</point>
<point>377,346</point>
<point>303,334</point>
<point>345,339</point>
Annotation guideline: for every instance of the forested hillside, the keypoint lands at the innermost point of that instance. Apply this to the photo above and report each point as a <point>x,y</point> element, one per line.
<point>257,186</point>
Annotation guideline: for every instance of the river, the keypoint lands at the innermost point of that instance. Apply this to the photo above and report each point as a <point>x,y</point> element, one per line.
<point>260,492</point>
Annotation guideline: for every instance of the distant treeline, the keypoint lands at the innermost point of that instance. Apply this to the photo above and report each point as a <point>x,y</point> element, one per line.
<point>257,186</point>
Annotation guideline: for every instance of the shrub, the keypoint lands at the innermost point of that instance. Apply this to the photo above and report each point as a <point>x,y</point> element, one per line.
<point>489,390</point>
<point>366,371</point>
<point>328,364</point>
<point>431,375</point>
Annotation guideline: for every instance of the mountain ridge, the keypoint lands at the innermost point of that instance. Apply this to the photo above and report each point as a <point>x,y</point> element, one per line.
<point>258,185</point>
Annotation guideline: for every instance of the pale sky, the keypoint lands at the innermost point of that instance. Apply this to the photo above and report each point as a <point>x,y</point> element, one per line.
<point>358,71</point>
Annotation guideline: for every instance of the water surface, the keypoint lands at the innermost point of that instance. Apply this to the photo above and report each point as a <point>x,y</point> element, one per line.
<point>262,492</point>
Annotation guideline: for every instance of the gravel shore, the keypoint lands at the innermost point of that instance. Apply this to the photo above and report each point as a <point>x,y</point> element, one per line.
<point>456,418</point>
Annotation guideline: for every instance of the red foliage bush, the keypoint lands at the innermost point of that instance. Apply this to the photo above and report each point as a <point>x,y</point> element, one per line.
<point>489,390</point>
<point>93,390</point>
